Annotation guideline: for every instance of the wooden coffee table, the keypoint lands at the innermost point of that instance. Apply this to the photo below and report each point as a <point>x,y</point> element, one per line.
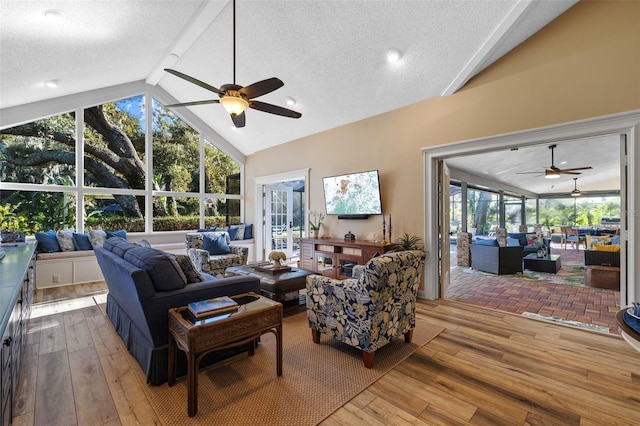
<point>256,316</point>
<point>282,287</point>
<point>549,263</point>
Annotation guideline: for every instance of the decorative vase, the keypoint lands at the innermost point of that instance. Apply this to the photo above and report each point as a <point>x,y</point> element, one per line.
<point>315,233</point>
<point>540,252</point>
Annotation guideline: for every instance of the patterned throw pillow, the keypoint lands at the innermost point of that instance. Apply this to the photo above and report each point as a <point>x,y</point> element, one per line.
<point>189,269</point>
<point>144,243</point>
<point>65,240</point>
<point>97,237</point>
<point>240,233</point>
<point>601,240</point>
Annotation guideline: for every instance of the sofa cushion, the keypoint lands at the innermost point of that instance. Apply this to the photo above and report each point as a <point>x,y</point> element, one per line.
<point>163,269</point>
<point>65,240</point>
<point>118,246</point>
<point>189,269</point>
<point>486,242</point>
<point>240,234</point>
<point>615,239</point>
<point>47,242</point>
<point>521,236</point>
<point>97,237</point>
<point>82,241</point>
<point>216,245</point>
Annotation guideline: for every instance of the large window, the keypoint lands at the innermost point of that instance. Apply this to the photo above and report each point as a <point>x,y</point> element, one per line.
<point>114,186</point>
<point>482,211</point>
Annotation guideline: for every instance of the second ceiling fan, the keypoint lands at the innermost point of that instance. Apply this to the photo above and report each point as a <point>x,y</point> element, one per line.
<point>553,172</point>
<point>235,98</point>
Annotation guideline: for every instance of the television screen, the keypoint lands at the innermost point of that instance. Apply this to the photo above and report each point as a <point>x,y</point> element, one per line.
<point>353,194</point>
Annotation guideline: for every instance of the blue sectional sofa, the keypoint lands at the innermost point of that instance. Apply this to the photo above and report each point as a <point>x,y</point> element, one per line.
<point>144,283</point>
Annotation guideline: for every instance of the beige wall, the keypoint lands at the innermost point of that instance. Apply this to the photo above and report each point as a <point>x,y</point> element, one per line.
<point>584,64</point>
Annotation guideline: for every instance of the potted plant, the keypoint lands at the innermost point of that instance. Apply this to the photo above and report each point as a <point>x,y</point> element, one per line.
<point>408,242</point>
<point>315,222</point>
<point>277,257</point>
<point>13,227</point>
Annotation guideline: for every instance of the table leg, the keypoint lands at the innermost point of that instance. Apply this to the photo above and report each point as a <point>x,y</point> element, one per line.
<point>171,375</point>
<point>279,350</point>
<point>192,398</point>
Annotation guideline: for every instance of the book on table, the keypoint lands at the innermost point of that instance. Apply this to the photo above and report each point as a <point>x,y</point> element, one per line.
<point>213,306</point>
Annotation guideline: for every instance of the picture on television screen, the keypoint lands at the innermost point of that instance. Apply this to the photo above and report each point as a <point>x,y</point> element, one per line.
<point>353,194</point>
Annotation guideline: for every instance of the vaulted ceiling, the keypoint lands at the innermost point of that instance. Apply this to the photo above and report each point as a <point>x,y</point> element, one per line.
<point>331,55</point>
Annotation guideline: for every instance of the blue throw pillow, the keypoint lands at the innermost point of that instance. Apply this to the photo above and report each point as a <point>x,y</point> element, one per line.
<point>233,232</point>
<point>216,245</point>
<point>121,233</point>
<point>207,229</point>
<point>615,239</point>
<point>248,231</point>
<point>82,241</point>
<point>47,242</point>
<point>487,242</point>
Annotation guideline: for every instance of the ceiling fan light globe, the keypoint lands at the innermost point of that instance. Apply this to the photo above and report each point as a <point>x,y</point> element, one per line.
<point>234,105</point>
<point>575,193</point>
<point>551,175</point>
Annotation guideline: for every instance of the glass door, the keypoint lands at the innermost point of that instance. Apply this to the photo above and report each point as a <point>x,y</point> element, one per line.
<point>279,219</point>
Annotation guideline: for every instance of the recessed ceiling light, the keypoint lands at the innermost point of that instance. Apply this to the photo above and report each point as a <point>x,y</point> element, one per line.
<point>51,84</point>
<point>290,101</point>
<point>393,55</point>
<point>53,15</point>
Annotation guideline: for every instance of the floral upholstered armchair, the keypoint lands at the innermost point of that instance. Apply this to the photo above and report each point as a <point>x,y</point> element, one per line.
<point>371,309</point>
<point>210,252</point>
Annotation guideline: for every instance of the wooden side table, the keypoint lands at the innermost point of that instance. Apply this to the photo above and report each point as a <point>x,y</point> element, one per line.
<point>255,316</point>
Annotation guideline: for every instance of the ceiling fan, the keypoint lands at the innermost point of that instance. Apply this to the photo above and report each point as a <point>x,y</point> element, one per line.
<point>235,98</point>
<point>553,172</point>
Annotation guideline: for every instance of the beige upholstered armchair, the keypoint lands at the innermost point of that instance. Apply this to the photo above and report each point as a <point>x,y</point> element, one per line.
<point>212,253</point>
<point>371,309</point>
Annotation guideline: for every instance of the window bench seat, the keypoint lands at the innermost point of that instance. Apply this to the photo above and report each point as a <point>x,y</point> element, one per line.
<point>78,267</point>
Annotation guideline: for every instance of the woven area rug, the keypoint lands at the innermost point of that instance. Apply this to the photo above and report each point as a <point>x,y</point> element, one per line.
<point>316,380</point>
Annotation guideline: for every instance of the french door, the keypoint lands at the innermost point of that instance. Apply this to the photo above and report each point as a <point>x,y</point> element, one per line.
<point>279,219</point>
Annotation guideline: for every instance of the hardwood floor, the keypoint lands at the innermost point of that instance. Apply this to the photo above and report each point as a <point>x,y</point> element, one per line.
<point>487,367</point>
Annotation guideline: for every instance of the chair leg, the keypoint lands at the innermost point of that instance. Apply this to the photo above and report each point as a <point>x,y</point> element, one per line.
<point>368,357</point>
<point>315,334</point>
<point>408,336</point>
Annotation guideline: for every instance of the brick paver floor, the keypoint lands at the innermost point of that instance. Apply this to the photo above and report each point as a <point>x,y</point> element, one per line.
<point>511,294</point>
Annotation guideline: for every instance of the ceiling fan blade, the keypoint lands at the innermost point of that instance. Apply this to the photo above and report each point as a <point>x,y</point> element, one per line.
<point>529,173</point>
<point>239,120</point>
<point>564,172</point>
<point>194,81</point>
<point>261,87</point>
<point>274,109</point>
<point>211,101</point>
<point>574,169</point>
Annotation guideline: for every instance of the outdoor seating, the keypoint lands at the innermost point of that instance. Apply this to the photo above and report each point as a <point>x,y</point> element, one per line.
<point>572,236</point>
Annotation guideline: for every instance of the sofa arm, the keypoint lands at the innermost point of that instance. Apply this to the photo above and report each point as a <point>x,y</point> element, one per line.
<point>155,308</point>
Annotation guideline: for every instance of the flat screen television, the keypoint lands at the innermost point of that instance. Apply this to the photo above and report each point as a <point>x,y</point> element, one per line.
<point>353,196</point>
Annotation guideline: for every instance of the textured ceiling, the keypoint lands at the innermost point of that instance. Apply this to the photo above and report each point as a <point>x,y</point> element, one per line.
<point>330,54</point>
<point>506,166</point>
